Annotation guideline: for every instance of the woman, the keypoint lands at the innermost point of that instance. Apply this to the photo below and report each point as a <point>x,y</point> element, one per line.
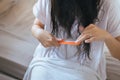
<point>88,22</point>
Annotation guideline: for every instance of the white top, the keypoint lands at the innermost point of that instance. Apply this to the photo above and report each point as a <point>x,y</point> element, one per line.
<point>109,17</point>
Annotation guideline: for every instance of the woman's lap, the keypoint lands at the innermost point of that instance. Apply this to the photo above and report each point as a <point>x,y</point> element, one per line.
<point>41,73</point>
<point>55,69</point>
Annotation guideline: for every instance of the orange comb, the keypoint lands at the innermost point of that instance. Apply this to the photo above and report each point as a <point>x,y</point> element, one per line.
<point>68,42</point>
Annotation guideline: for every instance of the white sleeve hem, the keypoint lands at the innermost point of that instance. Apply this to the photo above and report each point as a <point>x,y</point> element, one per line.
<point>115,34</point>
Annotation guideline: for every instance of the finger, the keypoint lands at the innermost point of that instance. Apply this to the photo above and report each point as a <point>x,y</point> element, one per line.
<point>50,42</point>
<point>90,26</point>
<point>58,39</point>
<point>90,40</point>
<point>45,45</point>
<point>53,42</point>
<point>83,37</point>
<point>90,30</point>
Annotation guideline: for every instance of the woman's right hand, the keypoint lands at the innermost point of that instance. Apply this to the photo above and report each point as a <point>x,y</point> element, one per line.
<point>47,39</point>
<point>44,37</point>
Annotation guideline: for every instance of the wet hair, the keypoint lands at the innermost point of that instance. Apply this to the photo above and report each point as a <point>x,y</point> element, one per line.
<point>65,12</point>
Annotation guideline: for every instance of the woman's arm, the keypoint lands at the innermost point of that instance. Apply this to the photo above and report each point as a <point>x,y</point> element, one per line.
<point>113,45</point>
<point>37,28</point>
<point>93,33</point>
<point>44,37</point>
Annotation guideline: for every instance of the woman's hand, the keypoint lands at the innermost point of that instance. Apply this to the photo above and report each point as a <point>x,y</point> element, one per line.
<point>47,39</point>
<point>93,33</point>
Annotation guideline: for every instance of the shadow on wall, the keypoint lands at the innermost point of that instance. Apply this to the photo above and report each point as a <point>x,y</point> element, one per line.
<point>6,5</point>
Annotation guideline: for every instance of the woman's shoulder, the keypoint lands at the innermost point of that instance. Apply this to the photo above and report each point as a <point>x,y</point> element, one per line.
<point>41,6</point>
<point>43,1</point>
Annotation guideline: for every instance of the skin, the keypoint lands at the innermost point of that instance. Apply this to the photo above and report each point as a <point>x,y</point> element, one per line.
<point>46,39</point>
<point>90,34</point>
<point>94,33</point>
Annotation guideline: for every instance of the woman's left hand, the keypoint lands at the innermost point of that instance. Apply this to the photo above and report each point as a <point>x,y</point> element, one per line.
<point>92,33</point>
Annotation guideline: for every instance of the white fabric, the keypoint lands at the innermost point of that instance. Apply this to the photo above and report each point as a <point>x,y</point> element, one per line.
<point>57,69</point>
<point>109,14</point>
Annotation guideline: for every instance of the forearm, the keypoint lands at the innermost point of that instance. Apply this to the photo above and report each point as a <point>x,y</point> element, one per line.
<point>37,28</point>
<point>113,46</point>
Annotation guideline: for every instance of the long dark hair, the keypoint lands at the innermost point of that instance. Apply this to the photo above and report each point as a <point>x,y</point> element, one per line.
<point>65,12</point>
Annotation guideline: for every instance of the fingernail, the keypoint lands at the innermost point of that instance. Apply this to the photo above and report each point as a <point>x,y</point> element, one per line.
<point>86,41</point>
<point>77,41</point>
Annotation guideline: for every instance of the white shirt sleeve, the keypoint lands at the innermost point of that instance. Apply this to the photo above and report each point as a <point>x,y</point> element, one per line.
<point>39,10</point>
<point>113,25</point>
